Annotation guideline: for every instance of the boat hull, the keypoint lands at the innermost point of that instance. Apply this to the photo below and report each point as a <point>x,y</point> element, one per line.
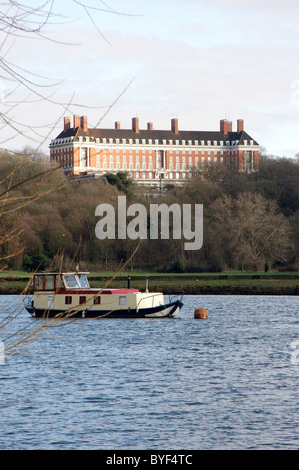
<point>161,311</point>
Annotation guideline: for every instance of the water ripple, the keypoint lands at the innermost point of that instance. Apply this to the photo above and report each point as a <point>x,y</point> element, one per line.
<point>227,382</point>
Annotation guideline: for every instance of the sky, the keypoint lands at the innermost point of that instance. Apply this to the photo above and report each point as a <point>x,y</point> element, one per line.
<point>194,60</point>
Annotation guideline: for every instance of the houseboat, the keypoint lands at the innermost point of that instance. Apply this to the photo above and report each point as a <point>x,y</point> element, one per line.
<point>69,295</point>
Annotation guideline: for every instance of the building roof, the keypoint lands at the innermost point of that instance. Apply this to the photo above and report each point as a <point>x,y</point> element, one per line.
<point>160,135</point>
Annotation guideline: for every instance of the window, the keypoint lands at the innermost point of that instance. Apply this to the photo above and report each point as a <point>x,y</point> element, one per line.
<point>97,300</point>
<point>122,300</point>
<point>171,163</point>
<point>49,283</point>
<point>71,281</point>
<point>82,299</point>
<point>83,280</point>
<point>68,300</point>
<point>38,282</point>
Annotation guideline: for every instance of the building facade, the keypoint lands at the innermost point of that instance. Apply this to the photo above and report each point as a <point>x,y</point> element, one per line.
<point>150,156</point>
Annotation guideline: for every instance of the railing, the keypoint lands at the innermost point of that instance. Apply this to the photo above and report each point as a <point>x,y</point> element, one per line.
<point>146,298</point>
<point>173,296</point>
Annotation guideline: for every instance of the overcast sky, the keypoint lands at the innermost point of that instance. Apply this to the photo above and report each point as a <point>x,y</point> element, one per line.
<point>199,61</point>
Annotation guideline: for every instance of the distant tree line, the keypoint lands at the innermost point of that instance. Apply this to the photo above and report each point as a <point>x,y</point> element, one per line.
<point>251,221</point>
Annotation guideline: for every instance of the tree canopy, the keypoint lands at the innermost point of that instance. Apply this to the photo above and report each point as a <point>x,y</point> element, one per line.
<point>251,222</point>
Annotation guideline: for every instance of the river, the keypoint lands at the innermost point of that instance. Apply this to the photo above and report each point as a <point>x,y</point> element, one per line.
<point>227,382</point>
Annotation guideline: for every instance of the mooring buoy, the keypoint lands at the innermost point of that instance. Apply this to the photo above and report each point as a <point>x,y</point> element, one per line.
<point>201,313</point>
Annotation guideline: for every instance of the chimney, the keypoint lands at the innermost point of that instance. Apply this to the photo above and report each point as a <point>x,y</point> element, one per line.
<point>175,126</point>
<point>117,125</point>
<point>67,124</point>
<point>226,126</point>
<point>240,123</point>
<point>149,126</point>
<point>83,123</point>
<point>135,125</point>
<point>223,126</point>
<point>76,121</point>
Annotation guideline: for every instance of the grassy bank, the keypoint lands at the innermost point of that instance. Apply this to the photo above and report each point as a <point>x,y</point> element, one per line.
<point>230,283</point>
<point>216,284</point>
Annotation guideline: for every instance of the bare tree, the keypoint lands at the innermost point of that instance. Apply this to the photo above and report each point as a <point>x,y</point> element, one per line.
<point>253,230</point>
<point>20,21</point>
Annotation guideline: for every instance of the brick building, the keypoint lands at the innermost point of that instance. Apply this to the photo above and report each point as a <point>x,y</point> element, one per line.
<point>149,155</point>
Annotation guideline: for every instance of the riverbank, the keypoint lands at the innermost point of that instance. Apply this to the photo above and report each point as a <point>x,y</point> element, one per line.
<point>193,284</point>
<point>214,284</point>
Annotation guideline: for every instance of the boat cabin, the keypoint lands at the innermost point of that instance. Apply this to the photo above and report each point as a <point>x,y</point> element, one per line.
<point>57,281</point>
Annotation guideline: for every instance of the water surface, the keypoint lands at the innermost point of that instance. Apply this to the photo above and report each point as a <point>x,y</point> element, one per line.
<point>227,382</point>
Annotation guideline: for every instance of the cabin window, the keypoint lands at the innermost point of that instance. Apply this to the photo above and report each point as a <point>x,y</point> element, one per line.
<point>49,283</point>
<point>68,300</point>
<point>97,300</point>
<point>38,282</point>
<point>83,280</point>
<point>71,281</point>
<point>122,300</point>
<point>82,299</point>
